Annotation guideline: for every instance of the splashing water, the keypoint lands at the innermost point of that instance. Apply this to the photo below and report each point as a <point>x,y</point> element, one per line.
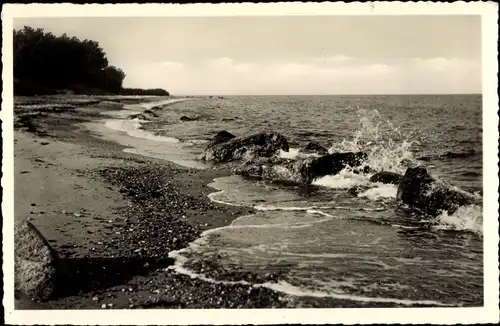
<point>387,148</point>
<point>344,179</point>
<point>468,218</point>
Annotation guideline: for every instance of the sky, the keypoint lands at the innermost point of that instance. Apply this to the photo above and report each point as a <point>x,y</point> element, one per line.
<point>288,54</point>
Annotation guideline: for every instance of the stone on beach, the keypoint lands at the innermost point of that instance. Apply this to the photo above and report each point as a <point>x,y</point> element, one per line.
<point>245,148</point>
<point>35,263</point>
<point>386,177</point>
<point>420,190</point>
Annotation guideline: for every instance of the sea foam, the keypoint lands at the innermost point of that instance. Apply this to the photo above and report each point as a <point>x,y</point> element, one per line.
<point>465,218</point>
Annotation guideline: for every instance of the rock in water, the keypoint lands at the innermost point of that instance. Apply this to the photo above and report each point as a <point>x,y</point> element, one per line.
<point>258,145</point>
<point>35,262</point>
<point>150,113</point>
<point>222,136</point>
<point>314,148</point>
<point>387,177</point>
<point>139,116</point>
<point>303,171</point>
<point>422,191</point>
<point>186,118</point>
<point>331,164</point>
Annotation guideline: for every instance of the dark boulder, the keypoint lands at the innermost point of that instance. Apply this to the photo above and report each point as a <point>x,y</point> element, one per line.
<point>186,118</point>
<point>150,113</point>
<point>258,145</point>
<point>302,171</point>
<point>314,148</point>
<point>363,170</point>
<point>221,137</point>
<point>420,190</point>
<point>387,177</point>
<point>331,164</point>
<point>139,116</point>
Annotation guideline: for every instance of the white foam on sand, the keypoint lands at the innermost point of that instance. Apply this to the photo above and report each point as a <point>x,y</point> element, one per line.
<point>128,133</point>
<point>290,289</point>
<point>281,286</point>
<point>132,128</point>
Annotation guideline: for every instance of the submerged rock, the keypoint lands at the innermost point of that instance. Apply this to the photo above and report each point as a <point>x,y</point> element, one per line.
<point>420,190</point>
<point>387,177</point>
<point>302,171</point>
<point>254,146</point>
<point>314,148</point>
<point>35,263</point>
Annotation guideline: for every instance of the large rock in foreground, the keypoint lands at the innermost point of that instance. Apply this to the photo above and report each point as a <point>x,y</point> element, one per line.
<point>420,190</point>
<point>35,263</point>
<point>245,148</point>
<point>302,171</point>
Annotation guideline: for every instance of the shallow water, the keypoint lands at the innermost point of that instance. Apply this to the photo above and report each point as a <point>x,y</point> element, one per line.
<point>321,240</point>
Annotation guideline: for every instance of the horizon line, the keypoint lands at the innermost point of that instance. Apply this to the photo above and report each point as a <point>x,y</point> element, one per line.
<point>394,94</point>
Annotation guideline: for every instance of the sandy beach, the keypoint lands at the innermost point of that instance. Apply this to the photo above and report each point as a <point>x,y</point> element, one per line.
<point>113,217</point>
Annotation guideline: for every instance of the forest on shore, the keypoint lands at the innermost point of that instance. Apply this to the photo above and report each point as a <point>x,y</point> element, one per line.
<point>46,64</point>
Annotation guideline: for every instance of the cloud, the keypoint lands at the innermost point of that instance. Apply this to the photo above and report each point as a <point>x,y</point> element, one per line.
<point>334,59</point>
<point>223,62</point>
<point>330,75</point>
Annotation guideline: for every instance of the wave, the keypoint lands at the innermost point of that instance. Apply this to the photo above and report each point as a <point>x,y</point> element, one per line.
<point>465,218</point>
<point>133,129</point>
<point>451,155</point>
<point>380,191</point>
<point>194,142</point>
<point>285,287</point>
<point>280,286</point>
<point>295,153</point>
<point>290,289</point>
<point>387,148</point>
<point>344,179</point>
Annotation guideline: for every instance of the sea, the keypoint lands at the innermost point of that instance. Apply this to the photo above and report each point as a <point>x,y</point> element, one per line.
<point>321,240</point>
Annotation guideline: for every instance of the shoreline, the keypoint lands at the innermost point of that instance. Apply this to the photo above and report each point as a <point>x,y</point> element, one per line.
<point>136,211</point>
<point>121,212</point>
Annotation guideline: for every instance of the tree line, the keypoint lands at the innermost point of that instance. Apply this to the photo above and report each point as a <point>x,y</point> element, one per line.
<point>49,64</point>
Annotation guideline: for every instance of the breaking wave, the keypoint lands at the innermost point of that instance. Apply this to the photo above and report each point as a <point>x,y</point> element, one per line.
<point>465,218</point>
<point>387,148</point>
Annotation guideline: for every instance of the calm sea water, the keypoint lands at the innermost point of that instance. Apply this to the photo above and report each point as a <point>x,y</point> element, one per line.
<point>321,241</point>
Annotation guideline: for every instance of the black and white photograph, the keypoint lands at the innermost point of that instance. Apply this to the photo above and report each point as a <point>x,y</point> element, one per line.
<point>173,158</point>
